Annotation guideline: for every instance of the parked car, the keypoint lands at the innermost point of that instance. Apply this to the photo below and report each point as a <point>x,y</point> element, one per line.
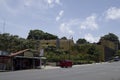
<point>116,58</point>
<point>65,63</point>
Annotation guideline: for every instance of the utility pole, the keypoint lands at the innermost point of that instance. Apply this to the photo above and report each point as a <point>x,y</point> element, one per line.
<point>70,39</point>
<point>69,48</point>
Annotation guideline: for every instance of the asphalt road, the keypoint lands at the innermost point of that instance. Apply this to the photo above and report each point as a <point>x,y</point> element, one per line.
<point>104,71</point>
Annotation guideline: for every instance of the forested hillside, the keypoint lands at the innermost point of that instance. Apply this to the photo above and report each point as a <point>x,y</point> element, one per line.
<point>80,52</point>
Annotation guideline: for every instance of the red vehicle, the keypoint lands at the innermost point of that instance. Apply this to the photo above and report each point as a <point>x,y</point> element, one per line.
<point>65,63</point>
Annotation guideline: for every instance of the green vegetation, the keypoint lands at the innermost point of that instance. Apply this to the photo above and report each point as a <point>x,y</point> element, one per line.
<point>111,37</point>
<point>13,43</point>
<point>80,53</point>
<point>40,35</point>
<point>118,53</point>
<point>64,38</point>
<point>81,41</point>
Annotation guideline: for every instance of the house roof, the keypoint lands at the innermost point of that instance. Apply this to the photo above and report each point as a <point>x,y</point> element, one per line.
<point>19,52</point>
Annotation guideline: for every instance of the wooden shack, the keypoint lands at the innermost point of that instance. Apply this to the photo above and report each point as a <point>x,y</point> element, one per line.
<point>24,59</point>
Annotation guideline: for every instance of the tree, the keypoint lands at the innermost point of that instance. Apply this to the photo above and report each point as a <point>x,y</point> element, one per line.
<point>64,38</point>
<point>118,53</point>
<point>9,42</point>
<point>81,41</point>
<point>35,34</point>
<point>94,53</point>
<point>111,37</point>
<point>40,35</point>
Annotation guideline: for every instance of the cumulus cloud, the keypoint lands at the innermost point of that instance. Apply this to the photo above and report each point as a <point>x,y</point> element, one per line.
<point>69,26</point>
<point>89,23</point>
<point>65,28</point>
<point>42,3</point>
<point>89,37</point>
<point>58,1</point>
<point>113,13</point>
<point>52,3</point>
<point>59,15</point>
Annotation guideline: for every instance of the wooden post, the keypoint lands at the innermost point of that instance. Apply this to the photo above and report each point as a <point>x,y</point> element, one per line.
<point>12,64</point>
<point>33,64</point>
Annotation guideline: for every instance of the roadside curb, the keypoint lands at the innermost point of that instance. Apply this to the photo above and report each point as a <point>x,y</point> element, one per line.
<point>50,67</point>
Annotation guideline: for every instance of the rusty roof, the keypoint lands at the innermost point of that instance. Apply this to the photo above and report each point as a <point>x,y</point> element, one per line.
<point>19,52</point>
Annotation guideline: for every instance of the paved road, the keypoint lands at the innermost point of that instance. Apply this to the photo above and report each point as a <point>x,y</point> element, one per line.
<point>104,71</point>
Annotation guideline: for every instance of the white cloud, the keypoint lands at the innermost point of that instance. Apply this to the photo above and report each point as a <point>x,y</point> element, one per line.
<point>61,12</point>
<point>89,37</point>
<point>89,23</point>
<point>60,15</point>
<point>68,27</point>
<point>57,18</point>
<point>58,1</point>
<point>65,28</point>
<point>52,3</point>
<point>112,13</point>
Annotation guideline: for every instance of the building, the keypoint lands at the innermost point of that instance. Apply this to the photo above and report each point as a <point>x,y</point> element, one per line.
<point>4,60</point>
<point>107,49</point>
<point>59,43</point>
<point>24,59</point>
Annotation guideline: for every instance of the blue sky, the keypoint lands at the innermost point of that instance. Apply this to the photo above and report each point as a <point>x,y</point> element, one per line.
<point>89,19</point>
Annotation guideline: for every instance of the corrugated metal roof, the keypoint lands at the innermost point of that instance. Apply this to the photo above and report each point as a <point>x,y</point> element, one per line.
<point>19,52</point>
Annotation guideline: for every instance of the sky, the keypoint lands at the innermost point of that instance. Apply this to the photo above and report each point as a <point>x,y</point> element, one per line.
<point>89,19</point>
